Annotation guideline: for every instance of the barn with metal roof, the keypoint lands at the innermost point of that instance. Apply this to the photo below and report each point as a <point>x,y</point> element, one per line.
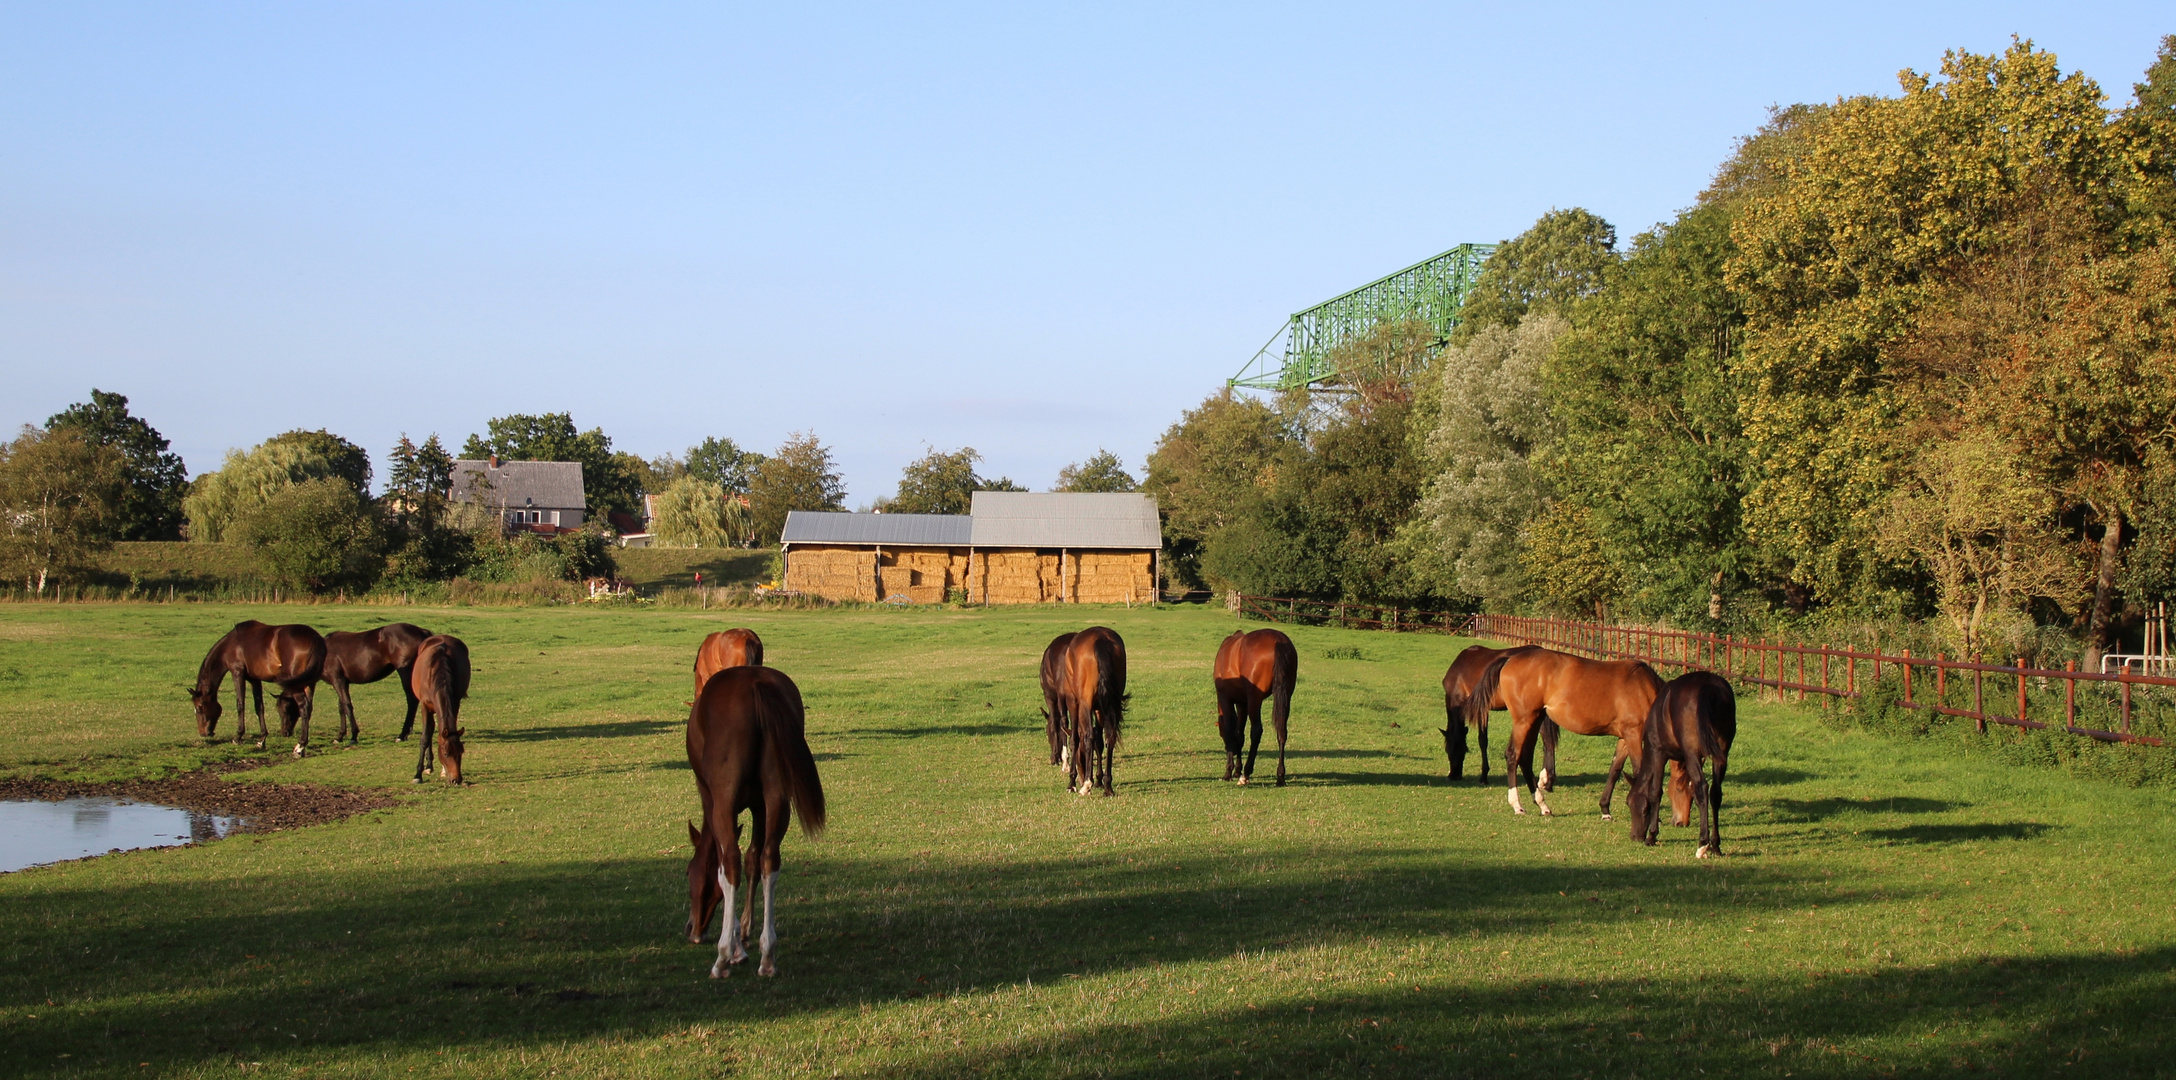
<point>1012,547</point>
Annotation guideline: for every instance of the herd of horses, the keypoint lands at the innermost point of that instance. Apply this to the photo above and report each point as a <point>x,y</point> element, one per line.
<point>433,670</point>
<point>748,748</point>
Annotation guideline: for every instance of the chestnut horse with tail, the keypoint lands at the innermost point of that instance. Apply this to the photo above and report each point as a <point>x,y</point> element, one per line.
<point>291,657</point>
<point>1249,668</point>
<point>366,658</point>
<point>1694,719</point>
<point>738,647</point>
<point>1094,701</point>
<point>748,745</point>
<point>1582,696</point>
<point>1458,683</point>
<point>1054,726</point>
<point>441,682</point>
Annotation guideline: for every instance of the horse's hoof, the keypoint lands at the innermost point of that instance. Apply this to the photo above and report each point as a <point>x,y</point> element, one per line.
<point>720,971</point>
<point>1546,812</point>
<point>298,751</point>
<point>1705,852</point>
<point>1242,781</point>
<point>768,970</point>
<point>1605,816</point>
<point>1519,810</point>
<point>417,780</point>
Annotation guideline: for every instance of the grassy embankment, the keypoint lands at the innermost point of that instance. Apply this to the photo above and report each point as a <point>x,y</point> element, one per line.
<point>1884,908</point>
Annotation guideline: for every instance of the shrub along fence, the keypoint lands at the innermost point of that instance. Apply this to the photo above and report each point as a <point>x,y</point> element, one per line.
<point>2066,700</point>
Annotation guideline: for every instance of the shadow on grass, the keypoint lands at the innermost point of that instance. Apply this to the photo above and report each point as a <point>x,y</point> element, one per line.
<point>620,730</point>
<point>1351,779</point>
<point>1954,834</point>
<point>2027,1018</point>
<point>1809,810</point>
<point>514,959</point>
<point>1769,775</point>
<point>946,729</point>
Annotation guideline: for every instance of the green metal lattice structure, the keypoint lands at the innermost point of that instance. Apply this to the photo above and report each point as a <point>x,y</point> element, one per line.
<point>1432,290</point>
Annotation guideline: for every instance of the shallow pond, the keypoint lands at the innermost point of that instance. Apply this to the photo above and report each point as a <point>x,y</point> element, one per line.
<point>35,832</point>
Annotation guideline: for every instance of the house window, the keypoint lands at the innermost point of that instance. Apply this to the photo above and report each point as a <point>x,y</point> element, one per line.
<point>555,517</point>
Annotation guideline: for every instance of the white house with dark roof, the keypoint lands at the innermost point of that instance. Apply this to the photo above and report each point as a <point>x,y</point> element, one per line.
<point>1013,547</point>
<point>537,496</point>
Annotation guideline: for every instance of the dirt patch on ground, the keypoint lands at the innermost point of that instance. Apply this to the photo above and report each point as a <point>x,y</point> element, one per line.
<point>266,806</point>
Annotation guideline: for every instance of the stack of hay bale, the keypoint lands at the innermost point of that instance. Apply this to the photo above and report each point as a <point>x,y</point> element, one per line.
<point>840,573</point>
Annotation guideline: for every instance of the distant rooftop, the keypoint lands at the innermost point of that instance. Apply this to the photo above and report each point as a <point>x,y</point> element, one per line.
<point>550,484</point>
<point>999,519</point>
<point>905,530</point>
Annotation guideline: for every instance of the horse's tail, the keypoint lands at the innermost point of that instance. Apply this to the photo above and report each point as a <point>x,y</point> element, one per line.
<point>1720,704</point>
<point>1484,691</point>
<point>1110,700</point>
<point>779,715</point>
<point>1283,674</point>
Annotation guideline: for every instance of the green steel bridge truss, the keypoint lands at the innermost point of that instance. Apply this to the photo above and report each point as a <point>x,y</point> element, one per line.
<point>1433,290</point>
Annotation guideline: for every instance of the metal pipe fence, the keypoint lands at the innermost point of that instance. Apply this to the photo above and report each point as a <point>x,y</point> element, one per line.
<point>2039,698</point>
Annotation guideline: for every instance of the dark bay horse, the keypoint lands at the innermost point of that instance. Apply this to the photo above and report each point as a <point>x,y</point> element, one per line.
<point>291,657</point>
<point>366,658</point>
<point>738,647</point>
<point>1060,734</point>
<point>1251,667</point>
<point>1093,700</point>
<point>1693,719</point>
<point>748,746</point>
<point>441,682</point>
<point>1458,683</point>
<point>1582,696</point>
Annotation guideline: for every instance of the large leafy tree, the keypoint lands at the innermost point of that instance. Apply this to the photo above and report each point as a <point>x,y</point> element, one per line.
<point>1482,487</point>
<point>248,478</point>
<point>943,482</point>
<point>1648,444</point>
<point>154,479</point>
<point>1878,201</point>
<point>722,462</point>
<point>608,483</point>
<point>60,494</point>
<point>1101,472</point>
<point>694,512</point>
<point>318,534</point>
<point>801,476</point>
<point>1210,469</point>
<point>1563,258</point>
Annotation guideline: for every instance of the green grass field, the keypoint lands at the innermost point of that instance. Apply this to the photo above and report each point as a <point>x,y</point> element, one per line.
<point>1885,908</point>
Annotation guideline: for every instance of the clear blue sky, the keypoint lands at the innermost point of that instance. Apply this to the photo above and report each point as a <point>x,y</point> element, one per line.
<point>1028,229</point>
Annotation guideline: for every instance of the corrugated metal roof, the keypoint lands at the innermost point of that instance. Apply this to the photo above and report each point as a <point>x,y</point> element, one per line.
<point>1064,519</point>
<point>904,530</point>
<point>550,484</point>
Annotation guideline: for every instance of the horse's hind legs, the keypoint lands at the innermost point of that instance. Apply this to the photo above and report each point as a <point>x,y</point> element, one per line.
<point>769,941</point>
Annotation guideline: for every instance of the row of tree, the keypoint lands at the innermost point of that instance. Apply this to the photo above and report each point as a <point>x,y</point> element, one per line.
<point>1906,356</point>
<point>303,499</point>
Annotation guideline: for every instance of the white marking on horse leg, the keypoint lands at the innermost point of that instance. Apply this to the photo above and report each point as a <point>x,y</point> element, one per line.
<point>1242,780</point>
<point>1548,781</point>
<point>770,925</point>
<point>1704,852</point>
<point>1606,817</point>
<point>1541,799</point>
<point>1513,793</point>
<point>729,950</point>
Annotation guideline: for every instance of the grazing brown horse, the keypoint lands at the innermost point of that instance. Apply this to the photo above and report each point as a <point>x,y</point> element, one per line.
<point>1060,735</point>
<point>1693,719</point>
<point>1249,668</point>
<point>441,681</point>
<point>1582,696</point>
<point>1093,699</point>
<point>738,647</point>
<point>749,749</point>
<point>291,657</point>
<point>366,658</point>
<point>1457,686</point>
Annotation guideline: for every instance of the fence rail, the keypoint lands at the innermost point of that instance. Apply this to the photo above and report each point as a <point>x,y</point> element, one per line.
<point>1785,667</point>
